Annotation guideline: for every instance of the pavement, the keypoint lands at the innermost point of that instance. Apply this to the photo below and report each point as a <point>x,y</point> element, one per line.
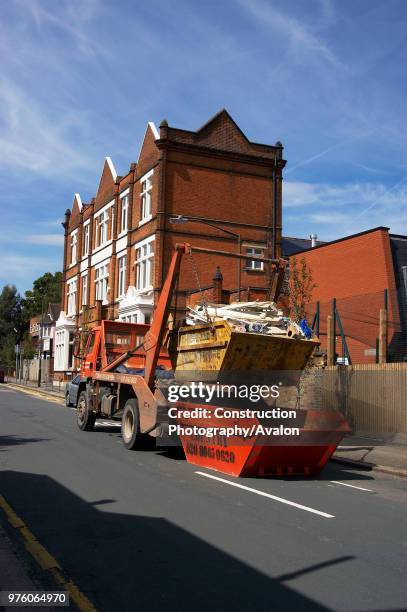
<point>15,573</point>
<point>146,530</point>
<point>375,453</point>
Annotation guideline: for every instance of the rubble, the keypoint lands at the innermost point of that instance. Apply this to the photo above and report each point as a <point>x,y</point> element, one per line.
<point>252,317</point>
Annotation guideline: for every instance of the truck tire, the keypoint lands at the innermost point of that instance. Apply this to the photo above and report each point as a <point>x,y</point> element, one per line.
<point>131,436</point>
<point>84,417</point>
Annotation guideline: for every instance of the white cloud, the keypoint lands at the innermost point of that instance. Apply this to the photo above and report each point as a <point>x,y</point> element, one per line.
<point>298,193</point>
<point>31,140</point>
<point>45,239</point>
<point>23,266</point>
<point>341,210</point>
<point>302,39</point>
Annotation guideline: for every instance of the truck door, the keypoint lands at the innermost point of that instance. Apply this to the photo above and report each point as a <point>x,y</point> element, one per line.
<point>91,361</point>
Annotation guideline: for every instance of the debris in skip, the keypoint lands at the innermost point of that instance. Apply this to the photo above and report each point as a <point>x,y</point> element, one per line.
<point>254,317</point>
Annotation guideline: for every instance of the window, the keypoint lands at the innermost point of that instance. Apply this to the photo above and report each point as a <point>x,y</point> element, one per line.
<point>71,293</point>
<point>122,275</point>
<point>146,187</point>
<point>101,282</point>
<point>144,264</point>
<point>74,244</point>
<point>86,236</point>
<point>103,224</point>
<point>124,213</point>
<point>84,289</point>
<point>253,264</point>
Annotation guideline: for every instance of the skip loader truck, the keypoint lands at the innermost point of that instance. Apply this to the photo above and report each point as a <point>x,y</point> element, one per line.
<point>126,367</point>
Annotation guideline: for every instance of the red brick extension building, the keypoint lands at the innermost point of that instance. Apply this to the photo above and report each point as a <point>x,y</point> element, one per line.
<point>118,246</point>
<point>357,270</point>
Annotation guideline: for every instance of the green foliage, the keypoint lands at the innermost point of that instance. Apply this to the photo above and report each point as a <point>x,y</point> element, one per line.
<point>46,289</point>
<point>301,288</point>
<point>27,347</point>
<point>15,313</point>
<point>12,324</point>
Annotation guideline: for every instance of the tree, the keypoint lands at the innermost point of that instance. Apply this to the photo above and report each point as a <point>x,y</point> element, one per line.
<point>12,324</point>
<point>301,288</point>
<point>46,289</point>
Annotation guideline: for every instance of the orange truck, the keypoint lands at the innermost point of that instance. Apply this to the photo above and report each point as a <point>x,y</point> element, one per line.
<point>123,365</point>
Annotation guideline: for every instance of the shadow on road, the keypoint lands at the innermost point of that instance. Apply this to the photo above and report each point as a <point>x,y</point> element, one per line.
<point>16,440</point>
<point>125,562</point>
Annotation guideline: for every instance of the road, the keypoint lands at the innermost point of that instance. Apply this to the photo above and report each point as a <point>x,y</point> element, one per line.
<point>146,531</point>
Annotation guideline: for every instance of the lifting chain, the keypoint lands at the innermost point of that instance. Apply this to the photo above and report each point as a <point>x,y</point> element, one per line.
<point>203,300</point>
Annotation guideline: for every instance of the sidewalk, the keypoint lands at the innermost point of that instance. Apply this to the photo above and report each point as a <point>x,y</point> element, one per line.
<point>33,389</point>
<point>388,454</point>
<point>14,575</point>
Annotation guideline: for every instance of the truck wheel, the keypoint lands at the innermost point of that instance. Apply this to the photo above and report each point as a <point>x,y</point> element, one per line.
<point>132,438</point>
<point>84,417</point>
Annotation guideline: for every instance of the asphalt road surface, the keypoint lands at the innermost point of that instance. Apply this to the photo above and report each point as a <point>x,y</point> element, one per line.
<point>147,531</point>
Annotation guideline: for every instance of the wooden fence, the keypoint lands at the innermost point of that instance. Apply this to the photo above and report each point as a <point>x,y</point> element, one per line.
<point>373,397</point>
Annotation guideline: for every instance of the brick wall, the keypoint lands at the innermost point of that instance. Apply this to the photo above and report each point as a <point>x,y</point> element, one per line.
<point>355,271</point>
<point>215,174</point>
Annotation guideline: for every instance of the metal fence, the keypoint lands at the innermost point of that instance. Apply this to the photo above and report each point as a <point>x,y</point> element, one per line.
<point>357,324</point>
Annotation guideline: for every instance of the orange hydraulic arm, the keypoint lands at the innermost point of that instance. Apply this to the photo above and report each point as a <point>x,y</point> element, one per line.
<point>154,337</point>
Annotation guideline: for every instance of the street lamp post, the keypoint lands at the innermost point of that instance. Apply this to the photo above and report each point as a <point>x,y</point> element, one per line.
<point>181,219</point>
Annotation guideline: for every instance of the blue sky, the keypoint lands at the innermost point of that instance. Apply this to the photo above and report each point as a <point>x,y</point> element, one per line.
<point>79,79</point>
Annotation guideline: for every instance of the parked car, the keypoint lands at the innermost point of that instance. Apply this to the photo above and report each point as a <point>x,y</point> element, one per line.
<point>71,394</point>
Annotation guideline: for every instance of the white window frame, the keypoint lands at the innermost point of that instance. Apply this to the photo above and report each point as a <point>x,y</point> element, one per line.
<point>124,211</point>
<point>74,247</point>
<point>102,226</point>
<point>144,264</point>
<point>146,186</point>
<point>85,279</point>
<point>122,267</point>
<point>86,239</point>
<point>254,265</point>
<point>102,282</point>
<point>71,290</point>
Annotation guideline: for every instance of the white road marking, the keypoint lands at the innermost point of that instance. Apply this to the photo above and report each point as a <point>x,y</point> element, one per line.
<point>263,494</point>
<point>345,484</point>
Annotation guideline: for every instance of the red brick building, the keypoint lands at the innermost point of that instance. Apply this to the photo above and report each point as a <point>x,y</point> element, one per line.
<point>118,246</point>
<point>356,270</point>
